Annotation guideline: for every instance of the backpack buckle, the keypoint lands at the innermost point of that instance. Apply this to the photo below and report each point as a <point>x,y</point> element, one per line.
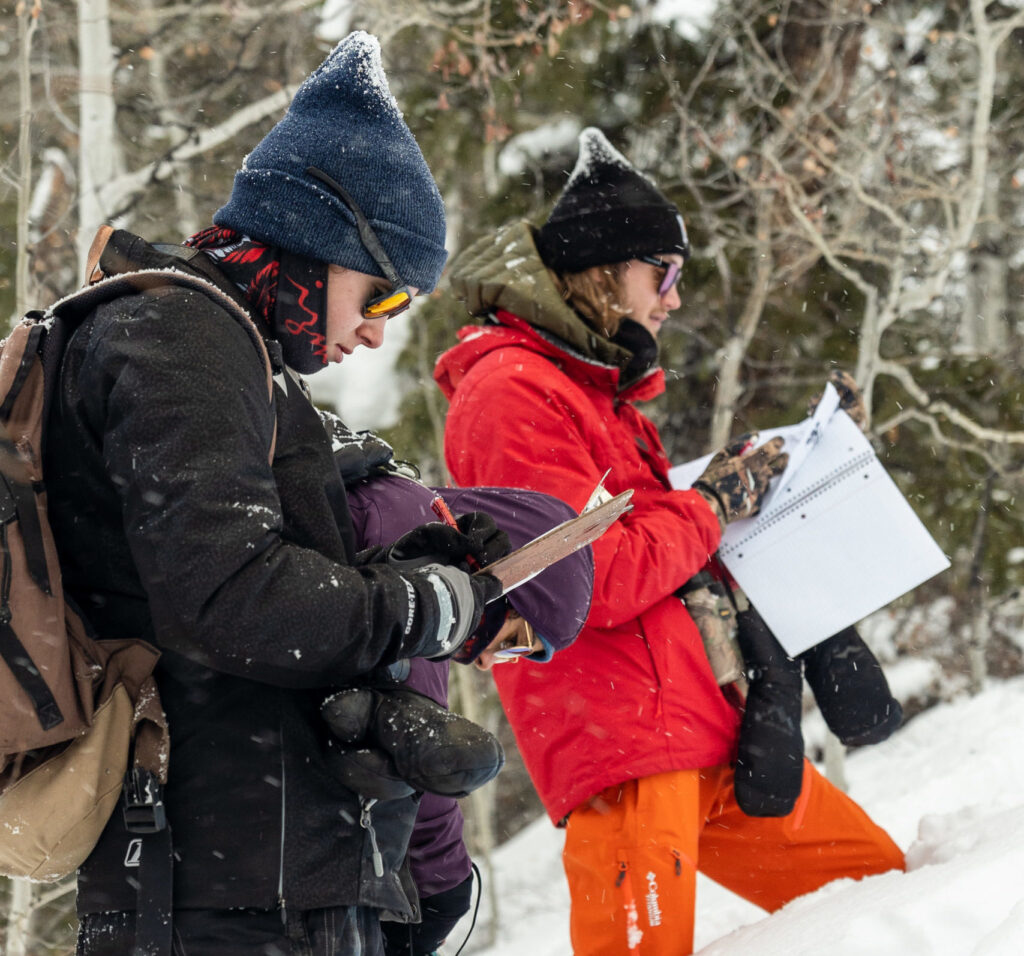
<point>143,802</point>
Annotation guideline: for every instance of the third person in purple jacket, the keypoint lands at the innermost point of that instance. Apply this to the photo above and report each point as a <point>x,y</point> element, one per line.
<point>538,619</point>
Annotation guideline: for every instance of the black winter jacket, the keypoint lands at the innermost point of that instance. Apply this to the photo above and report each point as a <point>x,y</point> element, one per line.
<point>173,526</point>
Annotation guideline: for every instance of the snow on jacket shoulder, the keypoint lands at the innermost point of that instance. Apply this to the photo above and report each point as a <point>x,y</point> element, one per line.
<point>634,695</point>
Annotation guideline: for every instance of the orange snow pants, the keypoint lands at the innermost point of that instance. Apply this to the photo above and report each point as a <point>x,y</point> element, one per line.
<point>632,854</point>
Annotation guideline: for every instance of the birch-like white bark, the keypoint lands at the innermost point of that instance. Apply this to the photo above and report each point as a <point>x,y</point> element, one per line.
<point>28,20</point>
<point>98,153</point>
<point>730,386</point>
<point>19,918</point>
<point>481,800</point>
<point>983,329</point>
<point>118,192</point>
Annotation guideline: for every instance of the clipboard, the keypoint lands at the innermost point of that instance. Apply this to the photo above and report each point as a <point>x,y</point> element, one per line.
<point>533,557</point>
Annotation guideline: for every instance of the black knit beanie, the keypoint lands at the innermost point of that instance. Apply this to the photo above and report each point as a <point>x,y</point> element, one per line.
<point>608,212</point>
<point>344,121</point>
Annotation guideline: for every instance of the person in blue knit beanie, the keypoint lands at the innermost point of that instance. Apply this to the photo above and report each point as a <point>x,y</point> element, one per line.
<point>337,189</point>
<point>196,503</point>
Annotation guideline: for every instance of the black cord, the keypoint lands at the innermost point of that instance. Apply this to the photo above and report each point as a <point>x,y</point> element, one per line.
<point>476,909</point>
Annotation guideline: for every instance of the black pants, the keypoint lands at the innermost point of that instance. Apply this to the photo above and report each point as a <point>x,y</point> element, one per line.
<point>440,914</point>
<point>337,931</point>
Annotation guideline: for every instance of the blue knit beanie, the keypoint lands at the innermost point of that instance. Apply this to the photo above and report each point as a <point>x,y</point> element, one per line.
<point>344,121</point>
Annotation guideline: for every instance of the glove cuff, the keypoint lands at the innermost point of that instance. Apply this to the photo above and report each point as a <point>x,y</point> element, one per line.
<point>448,608</point>
<point>714,499</point>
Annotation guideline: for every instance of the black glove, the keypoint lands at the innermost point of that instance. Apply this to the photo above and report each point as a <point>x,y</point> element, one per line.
<point>734,483</point>
<point>440,914</point>
<point>487,541</point>
<point>369,772</point>
<point>451,604</point>
<point>851,690</point>
<point>476,537</point>
<point>414,740</point>
<point>770,758</point>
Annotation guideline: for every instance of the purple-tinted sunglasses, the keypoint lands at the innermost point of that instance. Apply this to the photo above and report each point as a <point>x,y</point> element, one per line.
<point>671,276</point>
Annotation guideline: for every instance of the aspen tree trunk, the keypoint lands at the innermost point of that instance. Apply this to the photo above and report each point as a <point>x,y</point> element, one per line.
<point>98,158</point>
<point>730,387</point>
<point>984,328</point>
<point>19,919</point>
<point>28,20</point>
<point>835,761</point>
<point>979,631</point>
<point>482,802</point>
<point>181,177</point>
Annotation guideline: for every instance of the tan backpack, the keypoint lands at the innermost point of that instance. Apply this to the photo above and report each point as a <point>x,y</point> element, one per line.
<point>70,705</point>
<point>80,717</point>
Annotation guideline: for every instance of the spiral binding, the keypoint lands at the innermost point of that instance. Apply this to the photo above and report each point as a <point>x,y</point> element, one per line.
<point>815,490</point>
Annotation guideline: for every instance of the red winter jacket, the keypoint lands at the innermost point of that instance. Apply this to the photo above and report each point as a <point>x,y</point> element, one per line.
<point>634,696</point>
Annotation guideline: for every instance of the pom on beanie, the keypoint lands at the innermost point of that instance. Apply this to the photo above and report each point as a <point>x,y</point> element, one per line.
<point>344,121</point>
<point>608,212</point>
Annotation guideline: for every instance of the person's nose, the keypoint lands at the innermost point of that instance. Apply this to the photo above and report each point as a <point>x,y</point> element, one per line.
<point>485,661</point>
<point>371,333</point>
<point>671,299</point>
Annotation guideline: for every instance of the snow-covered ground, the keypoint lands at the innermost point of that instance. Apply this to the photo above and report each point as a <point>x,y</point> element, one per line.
<point>949,788</point>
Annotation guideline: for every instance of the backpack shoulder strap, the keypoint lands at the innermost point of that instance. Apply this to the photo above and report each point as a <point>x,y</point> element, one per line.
<point>17,359</point>
<point>93,273</point>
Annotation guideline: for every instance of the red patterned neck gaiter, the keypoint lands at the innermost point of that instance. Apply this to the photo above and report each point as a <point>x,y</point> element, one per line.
<point>287,291</point>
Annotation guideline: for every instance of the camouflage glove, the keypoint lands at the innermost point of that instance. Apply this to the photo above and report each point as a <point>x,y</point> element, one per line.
<point>713,612</point>
<point>850,399</point>
<point>734,482</point>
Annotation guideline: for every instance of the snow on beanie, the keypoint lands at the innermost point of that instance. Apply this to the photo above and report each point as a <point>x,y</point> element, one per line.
<point>608,212</point>
<point>344,121</point>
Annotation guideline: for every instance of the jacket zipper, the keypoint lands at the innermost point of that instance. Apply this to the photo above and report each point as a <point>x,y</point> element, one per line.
<point>280,869</point>
<point>364,821</point>
<point>660,696</point>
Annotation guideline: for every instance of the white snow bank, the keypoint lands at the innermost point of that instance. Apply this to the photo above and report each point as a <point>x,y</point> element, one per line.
<point>949,787</point>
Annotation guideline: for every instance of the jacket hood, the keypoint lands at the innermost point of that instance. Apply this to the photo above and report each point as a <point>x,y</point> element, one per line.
<point>510,331</point>
<point>504,271</point>
<point>556,601</point>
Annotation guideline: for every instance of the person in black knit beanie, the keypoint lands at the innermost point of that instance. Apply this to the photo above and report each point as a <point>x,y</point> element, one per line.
<point>631,737</point>
<point>611,213</point>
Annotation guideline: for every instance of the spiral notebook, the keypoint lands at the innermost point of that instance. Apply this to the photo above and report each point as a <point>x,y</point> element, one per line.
<point>835,539</point>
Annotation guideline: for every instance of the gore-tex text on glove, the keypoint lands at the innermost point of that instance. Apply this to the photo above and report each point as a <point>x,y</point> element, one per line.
<point>458,601</point>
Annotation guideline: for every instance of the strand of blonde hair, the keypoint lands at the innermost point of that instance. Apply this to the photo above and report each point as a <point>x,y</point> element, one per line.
<point>594,293</point>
